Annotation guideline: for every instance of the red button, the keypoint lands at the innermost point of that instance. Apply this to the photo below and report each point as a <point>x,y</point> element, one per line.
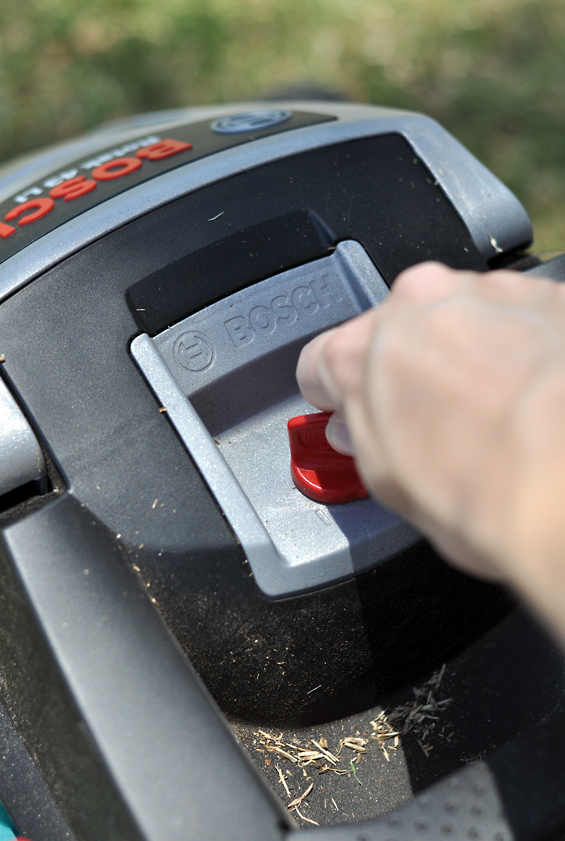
<point>317,469</point>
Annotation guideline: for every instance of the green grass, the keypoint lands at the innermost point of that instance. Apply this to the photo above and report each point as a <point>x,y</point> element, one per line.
<point>491,71</point>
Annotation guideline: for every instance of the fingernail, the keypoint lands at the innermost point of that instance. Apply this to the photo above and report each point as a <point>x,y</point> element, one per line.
<point>338,436</point>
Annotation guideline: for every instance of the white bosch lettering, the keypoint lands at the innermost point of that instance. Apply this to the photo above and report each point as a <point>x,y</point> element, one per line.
<point>120,152</point>
<point>25,196</point>
<point>55,180</point>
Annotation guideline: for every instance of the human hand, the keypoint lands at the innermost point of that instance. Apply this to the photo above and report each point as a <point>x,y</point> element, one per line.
<point>453,392</point>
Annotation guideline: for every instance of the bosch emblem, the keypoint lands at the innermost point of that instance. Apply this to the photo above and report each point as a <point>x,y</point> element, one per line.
<point>250,121</point>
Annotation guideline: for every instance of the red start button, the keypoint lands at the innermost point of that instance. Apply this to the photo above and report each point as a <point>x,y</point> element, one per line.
<point>318,470</point>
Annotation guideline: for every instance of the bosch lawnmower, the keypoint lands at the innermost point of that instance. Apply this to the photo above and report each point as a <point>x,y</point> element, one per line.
<point>185,633</point>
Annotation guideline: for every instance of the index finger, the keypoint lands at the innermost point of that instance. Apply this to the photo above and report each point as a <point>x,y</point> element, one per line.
<point>331,365</point>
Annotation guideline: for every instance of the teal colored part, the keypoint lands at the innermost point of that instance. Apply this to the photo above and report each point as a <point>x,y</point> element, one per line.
<point>7,829</point>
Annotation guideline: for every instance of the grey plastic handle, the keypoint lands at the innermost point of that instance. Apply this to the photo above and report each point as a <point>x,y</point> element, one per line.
<point>226,378</point>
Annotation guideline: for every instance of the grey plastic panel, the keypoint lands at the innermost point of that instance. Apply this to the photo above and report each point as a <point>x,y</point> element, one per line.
<point>21,459</point>
<point>464,806</point>
<point>552,270</point>
<point>494,216</point>
<point>292,306</point>
<point>236,360</point>
<point>169,758</point>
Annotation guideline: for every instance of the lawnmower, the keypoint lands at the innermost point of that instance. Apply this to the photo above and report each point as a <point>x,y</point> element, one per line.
<point>191,647</point>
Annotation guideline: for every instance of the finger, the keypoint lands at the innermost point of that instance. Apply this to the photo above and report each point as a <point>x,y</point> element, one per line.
<point>338,435</point>
<point>314,390</point>
<point>512,288</point>
<point>330,366</point>
<point>428,282</point>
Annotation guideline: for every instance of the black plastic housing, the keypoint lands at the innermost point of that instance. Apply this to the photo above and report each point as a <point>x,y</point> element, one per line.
<point>124,591</point>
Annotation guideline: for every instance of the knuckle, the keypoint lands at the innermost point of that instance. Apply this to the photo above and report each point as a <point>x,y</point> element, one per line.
<point>343,359</point>
<point>409,283</point>
<point>335,351</point>
<point>428,282</point>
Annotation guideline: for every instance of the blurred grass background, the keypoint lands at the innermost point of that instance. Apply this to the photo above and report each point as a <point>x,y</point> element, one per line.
<point>491,71</point>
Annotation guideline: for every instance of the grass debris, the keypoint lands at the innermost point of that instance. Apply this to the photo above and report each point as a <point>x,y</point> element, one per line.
<point>421,716</point>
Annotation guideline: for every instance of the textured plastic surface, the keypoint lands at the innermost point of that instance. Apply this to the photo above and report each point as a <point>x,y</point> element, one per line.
<point>466,805</point>
<point>317,469</point>
<point>530,773</point>
<point>122,749</point>
<point>552,270</point>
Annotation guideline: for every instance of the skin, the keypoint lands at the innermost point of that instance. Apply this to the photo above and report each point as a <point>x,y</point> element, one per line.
<point>451,397</point>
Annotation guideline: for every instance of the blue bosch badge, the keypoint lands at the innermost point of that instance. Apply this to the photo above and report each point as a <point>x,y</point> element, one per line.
<point>250,121</point>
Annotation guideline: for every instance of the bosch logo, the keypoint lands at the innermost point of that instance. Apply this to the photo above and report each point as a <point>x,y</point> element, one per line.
<point>32,204</point>
<point>250,121</point>
<point>194,351</point>
<point>303,301</point>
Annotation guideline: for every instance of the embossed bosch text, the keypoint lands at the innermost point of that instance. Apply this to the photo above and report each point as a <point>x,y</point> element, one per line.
<point>304,301</point>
